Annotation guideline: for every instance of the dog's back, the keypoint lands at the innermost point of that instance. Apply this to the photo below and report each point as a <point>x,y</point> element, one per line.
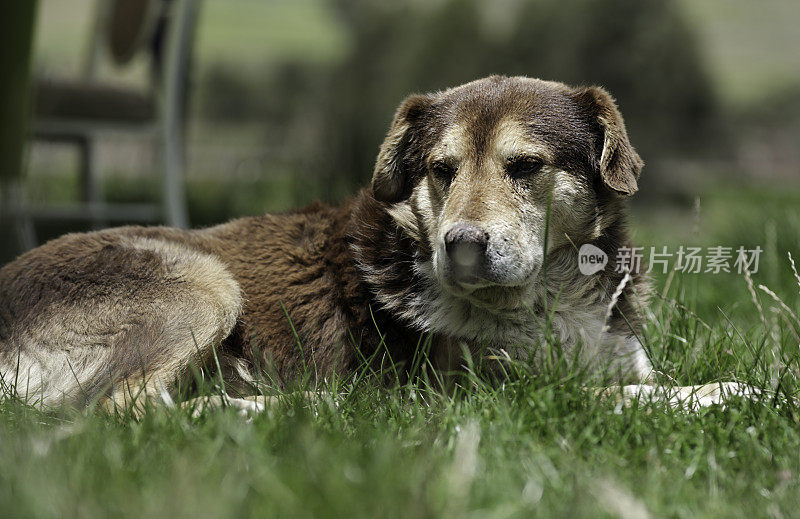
<point>119,311</point>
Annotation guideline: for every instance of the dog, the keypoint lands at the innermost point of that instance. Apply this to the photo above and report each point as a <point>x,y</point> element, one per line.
<point>467,235</point>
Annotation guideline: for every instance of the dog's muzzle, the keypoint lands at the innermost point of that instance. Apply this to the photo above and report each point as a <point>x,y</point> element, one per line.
<point>466,246</point>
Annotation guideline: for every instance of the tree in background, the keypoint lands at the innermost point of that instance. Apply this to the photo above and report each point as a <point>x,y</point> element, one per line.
<point>331,118</point>
<point>641,50</point>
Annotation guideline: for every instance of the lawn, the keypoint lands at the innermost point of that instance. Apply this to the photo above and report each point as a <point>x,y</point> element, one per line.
<point>532,445</point>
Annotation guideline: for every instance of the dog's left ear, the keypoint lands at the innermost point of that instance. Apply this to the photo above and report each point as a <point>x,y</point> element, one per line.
<point>391,180</point>
<point>619,163</point>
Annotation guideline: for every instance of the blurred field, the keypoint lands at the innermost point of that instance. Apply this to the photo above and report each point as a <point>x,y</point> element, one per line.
<point>264,104</point>
<point>245,33</point>
<point>537,445</point>
<point>750,52</point>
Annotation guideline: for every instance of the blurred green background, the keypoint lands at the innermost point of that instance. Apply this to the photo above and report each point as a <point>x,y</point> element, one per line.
<point>289,100</point>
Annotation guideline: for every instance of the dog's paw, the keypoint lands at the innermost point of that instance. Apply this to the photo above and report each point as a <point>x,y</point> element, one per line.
<point>246,408</point>
<point>689,398</point>
<point>707,395</point>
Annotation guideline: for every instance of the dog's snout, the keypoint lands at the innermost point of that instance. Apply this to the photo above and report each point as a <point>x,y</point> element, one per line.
<point>466,246</point>
<point>466,236</point>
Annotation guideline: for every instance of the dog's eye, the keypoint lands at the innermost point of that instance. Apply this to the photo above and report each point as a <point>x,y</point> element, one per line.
<point>523,167</point>
<point>443,170</point>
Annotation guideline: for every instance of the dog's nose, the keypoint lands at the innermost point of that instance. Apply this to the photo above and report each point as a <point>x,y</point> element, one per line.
<point>466,245</point>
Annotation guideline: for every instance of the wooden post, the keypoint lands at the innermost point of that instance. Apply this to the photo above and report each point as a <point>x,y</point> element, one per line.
<point>17,22</point>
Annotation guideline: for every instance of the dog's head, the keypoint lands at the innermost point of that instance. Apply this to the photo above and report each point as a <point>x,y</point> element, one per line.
<point>482,173</point>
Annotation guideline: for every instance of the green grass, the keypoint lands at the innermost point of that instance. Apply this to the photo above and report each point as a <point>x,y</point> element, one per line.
<point>535,445</point>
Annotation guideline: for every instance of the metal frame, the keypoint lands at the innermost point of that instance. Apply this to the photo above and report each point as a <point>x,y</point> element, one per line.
<point>166,128</point>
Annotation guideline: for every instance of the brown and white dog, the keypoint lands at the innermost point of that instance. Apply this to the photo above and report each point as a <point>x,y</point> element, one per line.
<point>479,198</point>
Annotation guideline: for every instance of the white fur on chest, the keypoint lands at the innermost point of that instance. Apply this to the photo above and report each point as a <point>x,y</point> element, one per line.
<point>436,310</point>
<point>578,321</point>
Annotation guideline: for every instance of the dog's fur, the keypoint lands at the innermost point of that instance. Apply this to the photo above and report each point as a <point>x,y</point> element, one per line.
<point>449,240</point>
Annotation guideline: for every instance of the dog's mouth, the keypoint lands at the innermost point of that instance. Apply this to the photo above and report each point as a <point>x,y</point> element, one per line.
<point>475,270</point>
<point>475,282</point>
<point>490,295</point>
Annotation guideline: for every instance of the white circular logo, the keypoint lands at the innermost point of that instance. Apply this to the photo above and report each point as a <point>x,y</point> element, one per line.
<point>591,259</point>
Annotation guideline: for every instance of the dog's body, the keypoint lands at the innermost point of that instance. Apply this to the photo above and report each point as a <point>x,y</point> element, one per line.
<point>480,196</point>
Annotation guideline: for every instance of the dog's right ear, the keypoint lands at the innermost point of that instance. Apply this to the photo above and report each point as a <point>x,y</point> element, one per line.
<point>391,180</point>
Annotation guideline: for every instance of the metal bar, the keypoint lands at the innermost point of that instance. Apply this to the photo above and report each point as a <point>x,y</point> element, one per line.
<point>103,211</point>
<point>71,130</point>
<point>181,35</point>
